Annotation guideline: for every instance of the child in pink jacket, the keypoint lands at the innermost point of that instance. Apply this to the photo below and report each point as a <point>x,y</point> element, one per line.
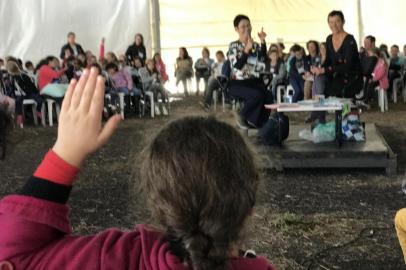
<point>379,77</point>
<point>380,73</point>
<point>199,177</point>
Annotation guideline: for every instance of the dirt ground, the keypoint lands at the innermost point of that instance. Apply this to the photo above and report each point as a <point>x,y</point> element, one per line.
<point>304,219</point>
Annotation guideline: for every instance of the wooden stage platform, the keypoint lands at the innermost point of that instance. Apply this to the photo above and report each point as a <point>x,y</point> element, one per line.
<point>298,153</point>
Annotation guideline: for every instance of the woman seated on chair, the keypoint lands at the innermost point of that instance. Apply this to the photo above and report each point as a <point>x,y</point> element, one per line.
<point>277,67</point>
<point>247,60</point>
<point>213,82</point>
<point>203,69</point>
<point>24,88</point>
<point>297,71</point>
<point>49,79</point>
<point>183,69</point>
<point>151,80</point>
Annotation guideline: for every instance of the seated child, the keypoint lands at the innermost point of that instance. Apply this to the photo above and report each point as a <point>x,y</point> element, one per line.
<point>151,80</point>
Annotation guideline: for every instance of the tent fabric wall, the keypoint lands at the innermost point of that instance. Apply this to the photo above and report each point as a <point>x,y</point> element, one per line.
<point>384,20</point>
<point>32,29</point>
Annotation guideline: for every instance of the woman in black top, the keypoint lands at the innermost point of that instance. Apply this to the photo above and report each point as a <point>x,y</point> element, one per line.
<point>137,50</point>
<point>342,66</point>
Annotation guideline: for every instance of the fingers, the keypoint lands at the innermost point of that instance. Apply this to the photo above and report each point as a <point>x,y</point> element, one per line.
<point>80,86</point>
<point>108,130</point>
<point>97,101</point>
<point>68,96</point>
<point>88,92</point>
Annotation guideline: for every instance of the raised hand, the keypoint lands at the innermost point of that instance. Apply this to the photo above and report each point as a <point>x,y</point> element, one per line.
<point>262,35</point>
<point>80,130</point>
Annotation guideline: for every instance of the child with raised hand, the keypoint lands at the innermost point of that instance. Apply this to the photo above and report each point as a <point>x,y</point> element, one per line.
<point>200,181</point>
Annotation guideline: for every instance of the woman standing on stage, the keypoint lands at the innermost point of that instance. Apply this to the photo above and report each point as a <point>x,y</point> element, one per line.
<point>342,66</point>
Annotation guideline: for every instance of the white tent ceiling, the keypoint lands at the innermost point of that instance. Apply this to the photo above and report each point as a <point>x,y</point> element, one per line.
<point>32,29</point>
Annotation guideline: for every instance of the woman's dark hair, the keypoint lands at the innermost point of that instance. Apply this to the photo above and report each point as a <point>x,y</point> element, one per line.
<point>296,48</point>
<point>239,18</point>
<point>142,38</point>
<point>371,38</point>
<point>201,180</point>
<point>338,13</point>
<point>112,66</point>
<point>378,52</point>
<point>384,49</point>
<point>28,64</point>
<point>185,53</point>
<point>205,49</point>
<point>316,44</point>
<point>49,59</point>
<point>220,52</point>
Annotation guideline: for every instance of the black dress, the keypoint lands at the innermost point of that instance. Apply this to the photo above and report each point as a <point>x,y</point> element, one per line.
<point>343,69</point>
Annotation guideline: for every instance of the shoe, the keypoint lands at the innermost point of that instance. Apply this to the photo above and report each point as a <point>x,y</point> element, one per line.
<point>241,123</point>
<point>251,125</point>
<point>157,111</point>
<point>204,105</point>
<point>20,121</point>
<point>360,95</point>
<point>362,104</point>
<point>164,110</point>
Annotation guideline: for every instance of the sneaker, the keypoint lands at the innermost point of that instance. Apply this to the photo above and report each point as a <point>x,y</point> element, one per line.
<point>204,105</point>
<point>360,95</point>
<point>19,121</point>
<point>241,123</point>
<point>164,110</point>
<point>157,111</point>
<point>363,104</point>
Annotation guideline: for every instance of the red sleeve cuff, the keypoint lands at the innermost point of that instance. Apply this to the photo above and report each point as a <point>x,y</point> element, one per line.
<point>55,169</point>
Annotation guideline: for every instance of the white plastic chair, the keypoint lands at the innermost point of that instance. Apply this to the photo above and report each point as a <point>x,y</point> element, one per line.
<point>33,104</point>
<point>382,99</point>
<point>150,95</point>
<point>397,84</point>
<point>215,99</point>
<point>50,103</point>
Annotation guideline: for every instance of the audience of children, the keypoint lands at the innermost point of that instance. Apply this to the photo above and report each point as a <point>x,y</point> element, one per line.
<point>301,71</point>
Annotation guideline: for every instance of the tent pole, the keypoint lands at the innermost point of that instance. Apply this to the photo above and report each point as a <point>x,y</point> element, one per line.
<point>360,24</point>
<point>155,25</point>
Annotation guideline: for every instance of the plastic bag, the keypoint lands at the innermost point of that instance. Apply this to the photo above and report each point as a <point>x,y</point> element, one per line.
<point>324,132</point>
<point>306,134</point>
